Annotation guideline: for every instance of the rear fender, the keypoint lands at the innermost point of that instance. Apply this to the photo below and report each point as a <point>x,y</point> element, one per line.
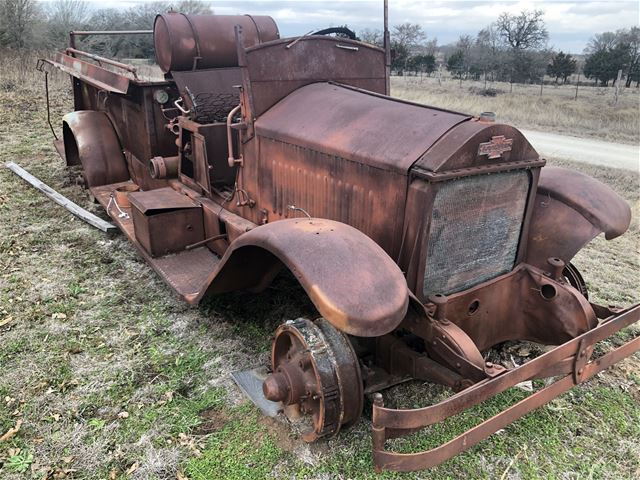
<point>571,209</point>
<point>350,279</point>
<point>91,140</point>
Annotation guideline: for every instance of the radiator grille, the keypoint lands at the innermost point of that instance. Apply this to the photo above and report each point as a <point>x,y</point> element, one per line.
<point>475,229</point>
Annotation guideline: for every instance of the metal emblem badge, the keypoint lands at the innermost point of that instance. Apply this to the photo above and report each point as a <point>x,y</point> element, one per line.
<point>495,147</point>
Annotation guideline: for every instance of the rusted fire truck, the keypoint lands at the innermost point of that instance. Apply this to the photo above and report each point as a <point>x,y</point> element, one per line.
<point>423,236</point>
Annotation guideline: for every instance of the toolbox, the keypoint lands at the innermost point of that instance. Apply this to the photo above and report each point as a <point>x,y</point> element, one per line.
<point>165,221</point>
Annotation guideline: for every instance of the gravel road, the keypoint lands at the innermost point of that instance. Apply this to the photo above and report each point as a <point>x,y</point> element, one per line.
<point>597,152</point>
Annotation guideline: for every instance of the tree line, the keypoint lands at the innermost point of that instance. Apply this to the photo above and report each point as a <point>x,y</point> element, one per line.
<point>35,25</point>
<point>514,49</point>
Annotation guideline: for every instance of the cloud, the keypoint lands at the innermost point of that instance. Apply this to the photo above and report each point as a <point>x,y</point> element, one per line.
<point>570,24</point>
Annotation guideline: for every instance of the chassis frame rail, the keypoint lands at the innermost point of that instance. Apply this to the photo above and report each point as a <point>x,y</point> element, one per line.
<point>390,423</point>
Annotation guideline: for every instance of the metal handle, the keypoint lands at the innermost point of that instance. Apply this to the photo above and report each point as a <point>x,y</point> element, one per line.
<point>99,59</point>
<point>232,159</point>
<point>347,47</point>
<point>178,104</point>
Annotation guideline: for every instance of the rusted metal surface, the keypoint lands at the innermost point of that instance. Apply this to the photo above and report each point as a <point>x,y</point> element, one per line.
<point>186,272</point>
<point>137,117</point>
<point>189,42</point>
<point>495,147</point>
<point>90,140</point>
<point>91,74</point>
<point>315,376</point>
<point>100,60</point>
<point>337,265</point>
<point>210,94</point>
<point>347,161</point>
<point>164,167</point>
<point>592,199</point>
<point>272,71</point>
<point>458,150</point>
<point>357,126</point>
<point>570,210</point>
<point>121,194</point>
<point>390,423</point>
<point>166,221</point>
<point>428,236</point>
<point>557,312</point>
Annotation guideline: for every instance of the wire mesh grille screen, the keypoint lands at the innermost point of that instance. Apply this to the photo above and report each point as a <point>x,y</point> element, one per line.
<point>475,228</point>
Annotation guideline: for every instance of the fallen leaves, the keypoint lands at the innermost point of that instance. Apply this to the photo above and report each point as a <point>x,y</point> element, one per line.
<point>123,415</point>
<point>59,316</point>
<point>190,443</point>
<point>132,468</point>
<point>6,321</point>
<point>11,432</point>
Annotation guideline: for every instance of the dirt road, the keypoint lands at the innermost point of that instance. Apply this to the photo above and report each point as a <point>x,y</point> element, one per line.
<point>586,150</point>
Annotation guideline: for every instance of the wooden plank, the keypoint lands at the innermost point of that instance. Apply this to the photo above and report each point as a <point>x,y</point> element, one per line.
<point>74,208</point>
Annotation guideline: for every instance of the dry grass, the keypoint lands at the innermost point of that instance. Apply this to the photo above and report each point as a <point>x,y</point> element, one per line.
<point>592,115</point>
<point>91,333</point>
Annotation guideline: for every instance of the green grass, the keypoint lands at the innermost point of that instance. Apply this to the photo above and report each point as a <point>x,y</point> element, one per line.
<point>111,374</point>
<point>241,449</point>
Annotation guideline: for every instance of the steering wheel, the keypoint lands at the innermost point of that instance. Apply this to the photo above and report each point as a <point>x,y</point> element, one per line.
<point>343,30</point>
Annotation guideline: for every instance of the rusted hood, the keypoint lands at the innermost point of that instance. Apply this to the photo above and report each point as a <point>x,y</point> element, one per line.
<point>356,125</point>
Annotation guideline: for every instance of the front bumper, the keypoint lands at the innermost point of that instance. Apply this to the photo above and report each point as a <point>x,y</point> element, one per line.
<point>571,359</point>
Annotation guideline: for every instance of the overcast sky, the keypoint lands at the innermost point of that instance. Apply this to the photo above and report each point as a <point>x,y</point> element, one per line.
<point>570,24</point>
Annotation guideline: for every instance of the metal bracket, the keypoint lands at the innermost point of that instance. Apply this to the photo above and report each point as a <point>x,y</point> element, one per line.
<point>580,361</point>
<point>392,423</point>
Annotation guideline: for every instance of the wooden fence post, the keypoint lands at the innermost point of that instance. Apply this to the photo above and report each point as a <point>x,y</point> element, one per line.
<point>617,87</point>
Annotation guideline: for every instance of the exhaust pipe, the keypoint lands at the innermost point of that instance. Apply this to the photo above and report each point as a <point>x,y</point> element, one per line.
<point>164,167</point>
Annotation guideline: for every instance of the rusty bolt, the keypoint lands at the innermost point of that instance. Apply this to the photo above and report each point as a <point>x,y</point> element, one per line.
<point>440,301</point>
<point>557,265</point>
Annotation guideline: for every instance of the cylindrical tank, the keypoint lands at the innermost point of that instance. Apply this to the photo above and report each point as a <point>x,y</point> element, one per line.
<point>180,39</point>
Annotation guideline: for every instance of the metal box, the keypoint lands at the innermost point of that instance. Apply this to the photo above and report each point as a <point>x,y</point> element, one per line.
<point>165,221</point>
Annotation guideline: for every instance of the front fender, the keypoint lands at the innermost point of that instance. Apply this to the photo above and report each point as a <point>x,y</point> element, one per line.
<point>350,279</point>
<point>91,140</point>
<point>571,209</point>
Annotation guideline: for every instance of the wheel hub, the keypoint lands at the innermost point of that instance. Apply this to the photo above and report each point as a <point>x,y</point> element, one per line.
<point>316,376</point>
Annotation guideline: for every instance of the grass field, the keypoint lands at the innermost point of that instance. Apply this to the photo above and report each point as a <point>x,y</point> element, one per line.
<point>108,376</point>
<point>593,114</point>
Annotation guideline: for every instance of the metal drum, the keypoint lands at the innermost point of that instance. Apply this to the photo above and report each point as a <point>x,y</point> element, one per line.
<point>187,42</point>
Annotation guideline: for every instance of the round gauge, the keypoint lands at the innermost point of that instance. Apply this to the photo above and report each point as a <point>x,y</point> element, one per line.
<point>161,96</point>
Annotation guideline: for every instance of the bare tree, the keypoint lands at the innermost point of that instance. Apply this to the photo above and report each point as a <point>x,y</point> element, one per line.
<point>64,16</point>
<point>632,39</point>
<point>524,35</point>
<point>373,36</point>
<point>489,51</point>
<point>431,47</point>
<point>609,52</point>
<point>17,22</point>
<point>464,45</point>
<point>525,31</point>
<point>409,35</point>
<point>404,40</point>
<point>601,41</point>
<point>194,7</point>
